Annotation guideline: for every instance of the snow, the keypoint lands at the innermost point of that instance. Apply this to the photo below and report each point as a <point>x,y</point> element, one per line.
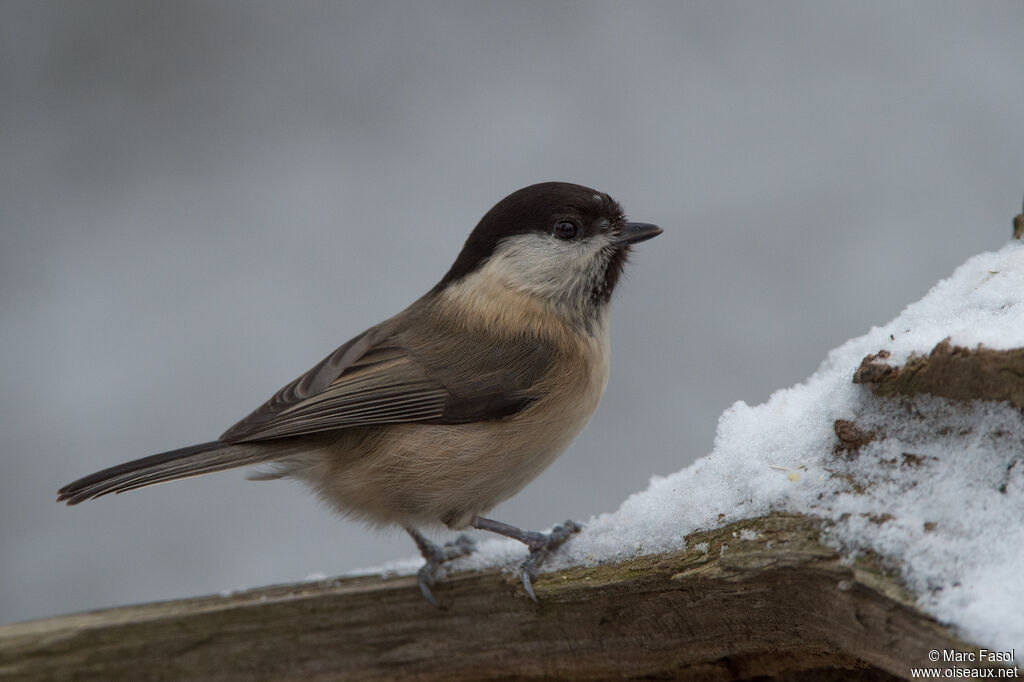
<point>941,497</point>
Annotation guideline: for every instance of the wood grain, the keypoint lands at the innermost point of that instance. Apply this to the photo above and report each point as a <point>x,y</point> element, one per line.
<point>780,606</point>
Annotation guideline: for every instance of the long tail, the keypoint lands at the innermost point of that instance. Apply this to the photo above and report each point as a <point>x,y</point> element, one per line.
<point>193,460</point>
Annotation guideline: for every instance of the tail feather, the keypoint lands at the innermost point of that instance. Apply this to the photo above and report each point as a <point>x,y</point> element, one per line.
<point>186,462</point>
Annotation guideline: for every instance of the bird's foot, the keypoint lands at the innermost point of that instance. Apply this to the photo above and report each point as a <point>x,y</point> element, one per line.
<point>541,545</point>
<point>437,556</point>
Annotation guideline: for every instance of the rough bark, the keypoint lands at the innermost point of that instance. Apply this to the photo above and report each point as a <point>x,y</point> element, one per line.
<point>949,371</point>
<point>759,599</point>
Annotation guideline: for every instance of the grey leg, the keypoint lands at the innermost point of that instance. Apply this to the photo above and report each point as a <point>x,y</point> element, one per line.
<point>539,544</point>
<point>436,557</point>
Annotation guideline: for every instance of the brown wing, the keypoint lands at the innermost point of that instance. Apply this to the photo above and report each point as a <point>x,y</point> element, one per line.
<point>402,371</point>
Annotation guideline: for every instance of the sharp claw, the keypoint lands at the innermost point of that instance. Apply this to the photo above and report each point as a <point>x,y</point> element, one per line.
<point>425,578</point>
<point>436,557</point>
<point>528,585</point>
<point>540,548</point>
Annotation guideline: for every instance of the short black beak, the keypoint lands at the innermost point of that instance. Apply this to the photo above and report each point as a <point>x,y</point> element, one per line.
<point>633,233</point>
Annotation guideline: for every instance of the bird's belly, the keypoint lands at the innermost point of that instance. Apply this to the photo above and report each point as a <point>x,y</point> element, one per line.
<point>429,474</point>
<point>422,474</point>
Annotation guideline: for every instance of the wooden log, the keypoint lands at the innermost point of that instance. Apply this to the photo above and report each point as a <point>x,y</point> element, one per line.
<point>758,599</point>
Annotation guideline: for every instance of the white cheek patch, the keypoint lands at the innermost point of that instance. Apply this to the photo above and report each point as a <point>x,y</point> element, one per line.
<point>564,272</point>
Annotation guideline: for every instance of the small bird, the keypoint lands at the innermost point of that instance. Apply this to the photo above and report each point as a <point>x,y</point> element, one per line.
<point>439,413</point>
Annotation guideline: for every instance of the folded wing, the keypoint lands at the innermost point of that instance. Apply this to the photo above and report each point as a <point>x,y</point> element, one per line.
<point>402,373</point>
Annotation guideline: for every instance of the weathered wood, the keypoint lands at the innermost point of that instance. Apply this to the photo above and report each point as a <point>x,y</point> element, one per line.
<point>780,606</point>
<point>949,371</point>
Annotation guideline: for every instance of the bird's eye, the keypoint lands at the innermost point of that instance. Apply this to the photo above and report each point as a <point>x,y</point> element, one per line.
<point>566,229</point>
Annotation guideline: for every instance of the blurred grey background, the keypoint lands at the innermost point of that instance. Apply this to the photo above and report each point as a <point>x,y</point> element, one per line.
<point>200,200</point>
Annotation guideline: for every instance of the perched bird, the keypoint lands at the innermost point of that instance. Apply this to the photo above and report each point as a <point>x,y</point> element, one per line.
<point>439,413</point>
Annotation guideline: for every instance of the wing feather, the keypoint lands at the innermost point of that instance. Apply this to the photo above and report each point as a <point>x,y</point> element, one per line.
<point>401,372</point>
